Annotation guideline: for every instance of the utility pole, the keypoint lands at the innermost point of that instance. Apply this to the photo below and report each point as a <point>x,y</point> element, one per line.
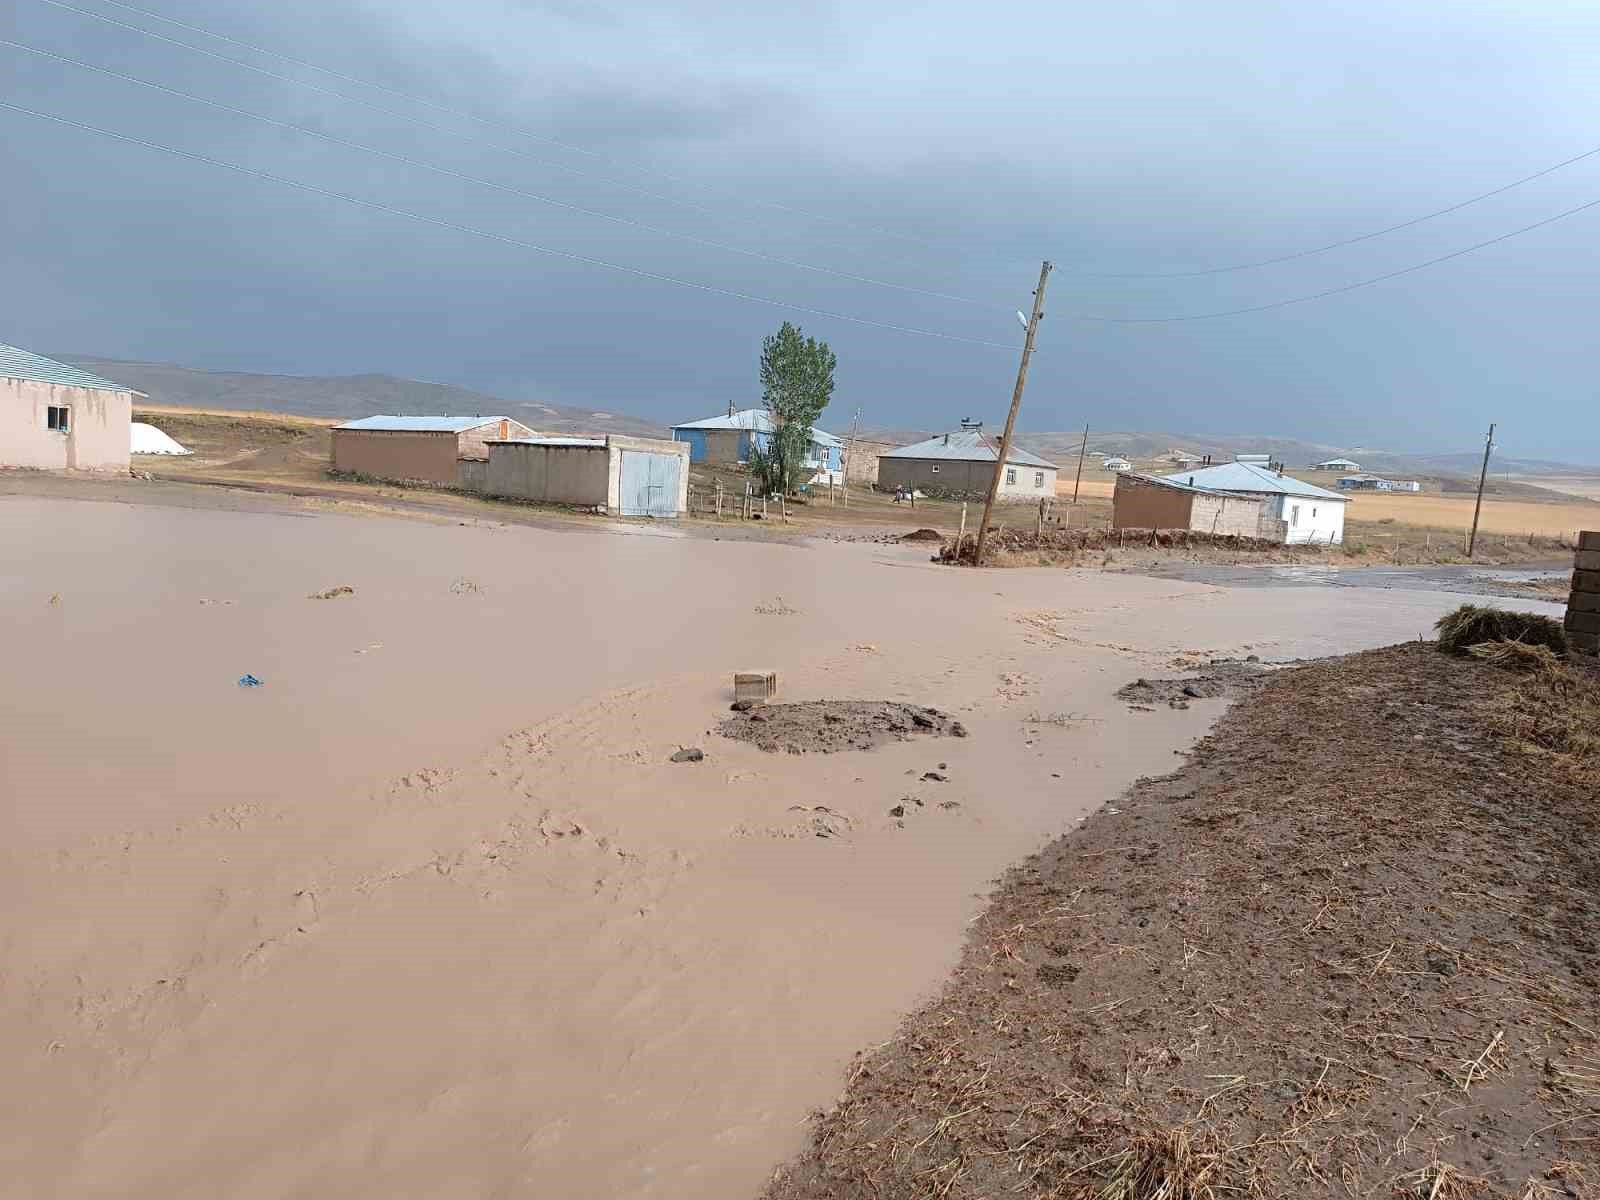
<point>849,454</point>
<point>1483,477</point>
<point>1016,403</point>
<point>1082,450</point>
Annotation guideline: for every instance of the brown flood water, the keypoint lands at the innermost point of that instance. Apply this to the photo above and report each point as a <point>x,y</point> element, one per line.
<point>431,914</point>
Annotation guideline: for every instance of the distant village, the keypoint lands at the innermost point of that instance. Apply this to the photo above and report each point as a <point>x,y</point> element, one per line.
<point>56,416</point>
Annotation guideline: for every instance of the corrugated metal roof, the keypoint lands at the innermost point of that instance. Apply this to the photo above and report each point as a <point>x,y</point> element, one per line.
<point>440,424</point>
<point>1248,477</point>
<point>1176,486</point>
<point>16,363</point>
<point>754,418</point>
<point>966,446</point>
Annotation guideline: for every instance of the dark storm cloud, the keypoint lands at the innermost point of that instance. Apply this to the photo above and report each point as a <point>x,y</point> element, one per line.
<point>948,148</point>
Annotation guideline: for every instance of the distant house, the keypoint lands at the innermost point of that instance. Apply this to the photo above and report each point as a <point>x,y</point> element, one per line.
<point>1146,502</point>
<point>1291,510</point>
<point>727,440</point>
<point>57,417</point>
<point>1181,458</point>
<point>420,449</point>
<point>1376,483</point>
<point>961,465</point>
<point>1115,464</point>
<point>1337,464</point>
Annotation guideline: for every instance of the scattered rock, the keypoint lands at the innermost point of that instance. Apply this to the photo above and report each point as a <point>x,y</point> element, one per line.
<point>935,777</point>
<point>689,754</point>
<point>957,729</point>
<point>745,705</point>
<point>947,805</point>
<point>333,593</point>
<point>899,810</point>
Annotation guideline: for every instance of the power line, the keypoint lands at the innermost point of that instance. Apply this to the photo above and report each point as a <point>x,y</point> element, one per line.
<point>1349,287</point>
<point>500,237</point>
<point>488,183</point>
<point>1349,241</point>
<point>439,106</point>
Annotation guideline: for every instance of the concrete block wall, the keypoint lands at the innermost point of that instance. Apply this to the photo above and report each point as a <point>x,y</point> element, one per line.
<point>1583,607</point>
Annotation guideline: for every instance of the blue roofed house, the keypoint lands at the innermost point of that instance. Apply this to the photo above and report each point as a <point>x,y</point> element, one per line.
<point>727,440</point>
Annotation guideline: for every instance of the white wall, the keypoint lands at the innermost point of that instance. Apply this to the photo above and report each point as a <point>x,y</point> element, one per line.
<point>1318,519</point>
<point>97,438</point>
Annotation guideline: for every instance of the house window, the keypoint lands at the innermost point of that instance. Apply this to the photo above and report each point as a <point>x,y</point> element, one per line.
<point>1011,475</point>
<point>1038,479</point>
<point>1313,514</point>
<point>57,417</point>
<point>935,468</point>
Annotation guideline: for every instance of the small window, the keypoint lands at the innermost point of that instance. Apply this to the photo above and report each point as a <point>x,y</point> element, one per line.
<point>935,468</point>
<point>1038,479</point>
<point>1313,514</point>
<point>56,417</point>
<point>1011,475</point>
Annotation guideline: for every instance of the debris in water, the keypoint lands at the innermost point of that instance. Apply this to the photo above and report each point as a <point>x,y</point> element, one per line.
<point>333,593</point>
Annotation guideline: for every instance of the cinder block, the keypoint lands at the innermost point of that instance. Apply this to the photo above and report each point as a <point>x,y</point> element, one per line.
<point>1584,602</point>
<point>1587,560</point>
<point>755,685</point>
<point>1589,539</point>
<point>1584,643</point>
<point>1583,622</point>
<point>1586,581</point>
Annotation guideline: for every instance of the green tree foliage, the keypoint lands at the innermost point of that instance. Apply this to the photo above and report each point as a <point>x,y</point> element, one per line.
<point>796,385</point>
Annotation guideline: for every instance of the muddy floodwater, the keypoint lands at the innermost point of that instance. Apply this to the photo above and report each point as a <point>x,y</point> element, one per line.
<point>430,912</point>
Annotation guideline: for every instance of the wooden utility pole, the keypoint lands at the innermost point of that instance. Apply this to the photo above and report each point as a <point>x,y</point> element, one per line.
<point>1082,450</point>
<point>849,453</point>
<point>1011,417</point>
<point>1483,477</point>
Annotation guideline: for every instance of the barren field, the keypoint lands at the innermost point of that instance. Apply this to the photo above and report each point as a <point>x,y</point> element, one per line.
<point>1454,514</point>
<point>432,912</point>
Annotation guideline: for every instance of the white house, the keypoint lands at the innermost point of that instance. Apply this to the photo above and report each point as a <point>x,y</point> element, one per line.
<point>1338,464</point>
<point>1116,464</point>
<point>1300,511</point>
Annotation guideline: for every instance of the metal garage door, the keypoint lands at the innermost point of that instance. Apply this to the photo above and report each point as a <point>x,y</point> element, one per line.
<point>649,484</point>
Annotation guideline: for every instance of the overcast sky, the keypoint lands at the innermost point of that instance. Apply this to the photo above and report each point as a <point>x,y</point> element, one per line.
<point>938,146</point>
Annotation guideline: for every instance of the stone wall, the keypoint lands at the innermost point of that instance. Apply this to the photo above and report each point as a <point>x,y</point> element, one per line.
<point>1583,608</point>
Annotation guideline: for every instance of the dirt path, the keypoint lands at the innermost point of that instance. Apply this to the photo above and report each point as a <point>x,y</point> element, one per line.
<point>1359,964</point>
<point>432,911</point>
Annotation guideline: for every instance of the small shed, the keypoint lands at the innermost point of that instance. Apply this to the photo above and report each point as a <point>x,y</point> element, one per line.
<point>1146,502</point>
<point>418,449</point>
<point>628,476</point>
<point>1292,510</point>
<point>55,417</point>
<point>961,466</point>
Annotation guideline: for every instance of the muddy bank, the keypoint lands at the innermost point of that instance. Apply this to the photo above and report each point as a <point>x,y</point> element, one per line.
<point>829,726</point>
<point>1363,963</point>
<point>1223,677</point>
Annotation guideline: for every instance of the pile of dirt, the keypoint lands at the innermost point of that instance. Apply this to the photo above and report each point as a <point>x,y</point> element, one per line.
<point>922,535</point>
<point>828,726</point>
<point>1351,949</point>
<point>1221,677</point>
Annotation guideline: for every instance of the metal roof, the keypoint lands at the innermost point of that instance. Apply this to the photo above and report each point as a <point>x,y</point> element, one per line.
<point>1175,485</point>
<point>966,446</point>
<point>758,419</point>
<point>439,424</point>
<point>1248,477</point>
<point>16,363</point>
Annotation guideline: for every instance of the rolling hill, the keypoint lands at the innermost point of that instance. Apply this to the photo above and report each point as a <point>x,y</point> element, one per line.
<point>346,396</point>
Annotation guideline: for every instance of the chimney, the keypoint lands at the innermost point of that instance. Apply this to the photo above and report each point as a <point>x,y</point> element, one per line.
<point>730,408</point>
<point>947,439</point>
